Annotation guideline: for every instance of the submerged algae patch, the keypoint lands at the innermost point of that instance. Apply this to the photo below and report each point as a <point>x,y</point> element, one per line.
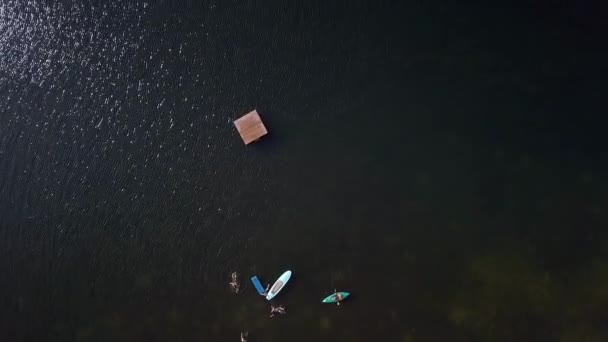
<point>504,293</point>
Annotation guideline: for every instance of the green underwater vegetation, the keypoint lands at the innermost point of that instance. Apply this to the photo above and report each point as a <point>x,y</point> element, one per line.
<point>506,297</point>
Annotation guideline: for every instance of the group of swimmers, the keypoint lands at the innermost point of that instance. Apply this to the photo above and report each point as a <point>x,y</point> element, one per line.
<point>273,310</point>
<point>235,286</point>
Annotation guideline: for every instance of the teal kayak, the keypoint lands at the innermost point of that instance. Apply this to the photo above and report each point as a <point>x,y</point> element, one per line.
<point>336,297</point>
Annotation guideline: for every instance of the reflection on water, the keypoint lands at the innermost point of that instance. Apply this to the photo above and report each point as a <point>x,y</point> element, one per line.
<point>440,163</point>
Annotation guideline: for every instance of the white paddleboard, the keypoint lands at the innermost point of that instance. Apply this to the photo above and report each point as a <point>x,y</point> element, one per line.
<point>278,285</point>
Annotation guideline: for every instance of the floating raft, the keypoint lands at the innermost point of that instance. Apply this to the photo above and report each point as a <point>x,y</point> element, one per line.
<point>258,285</point>
<point>250,127</point>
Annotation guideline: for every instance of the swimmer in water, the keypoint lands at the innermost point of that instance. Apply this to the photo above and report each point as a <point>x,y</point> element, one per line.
<point>234,283</point>
<point>279,310</point>
<point>266,291</point>
<point>244,336</point>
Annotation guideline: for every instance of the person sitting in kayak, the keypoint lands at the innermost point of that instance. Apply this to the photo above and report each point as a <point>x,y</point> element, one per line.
<point>338,296</point>
<point>279,309</point>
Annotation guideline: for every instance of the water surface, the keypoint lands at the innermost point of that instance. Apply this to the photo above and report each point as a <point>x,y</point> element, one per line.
<point>443,163</point>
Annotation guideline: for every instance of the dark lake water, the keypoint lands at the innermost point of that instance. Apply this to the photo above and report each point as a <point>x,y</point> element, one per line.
<point>446,164</point>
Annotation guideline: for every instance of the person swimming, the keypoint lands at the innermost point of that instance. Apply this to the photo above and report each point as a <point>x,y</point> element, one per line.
<point>244,336</point>
<point>234,282</point>
<point>266,290</point>
<point>278,309</point>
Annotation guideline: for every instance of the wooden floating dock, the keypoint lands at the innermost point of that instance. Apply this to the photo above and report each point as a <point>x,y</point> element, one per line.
<point>250,127</point>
